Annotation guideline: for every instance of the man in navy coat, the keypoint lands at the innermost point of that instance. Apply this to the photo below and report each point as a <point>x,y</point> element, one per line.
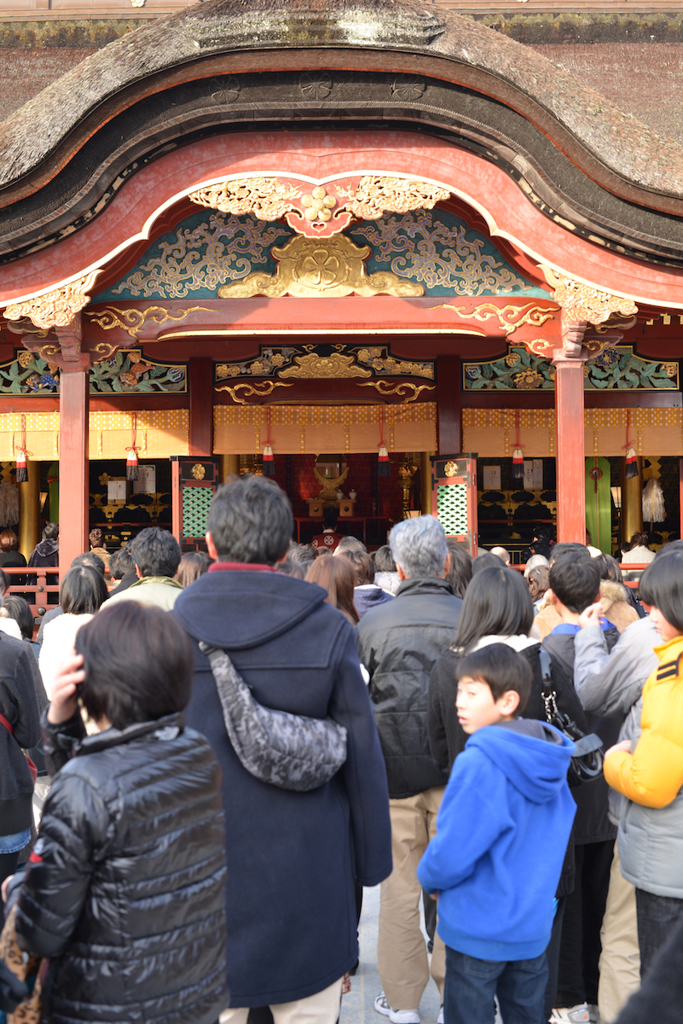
<point>292,857</point>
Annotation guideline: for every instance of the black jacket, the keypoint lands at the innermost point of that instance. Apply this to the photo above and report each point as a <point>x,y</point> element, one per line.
<point>399,643</point>
<point>125,886</point>
<point>292,857</point>
<point>592,823</point>
<point>19,684</point>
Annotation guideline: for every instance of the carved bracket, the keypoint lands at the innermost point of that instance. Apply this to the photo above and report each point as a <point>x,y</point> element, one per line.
<point>56,308</point>
<point>326,209</point>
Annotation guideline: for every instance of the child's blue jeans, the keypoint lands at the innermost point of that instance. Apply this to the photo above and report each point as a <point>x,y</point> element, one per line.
<point>471,985</point>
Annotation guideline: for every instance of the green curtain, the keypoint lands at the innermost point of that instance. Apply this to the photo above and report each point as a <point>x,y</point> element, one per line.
<point>599,506</point>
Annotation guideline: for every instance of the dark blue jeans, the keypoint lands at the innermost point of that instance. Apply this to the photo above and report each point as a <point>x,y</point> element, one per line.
<point>657,917</point>
<point>471,985</point>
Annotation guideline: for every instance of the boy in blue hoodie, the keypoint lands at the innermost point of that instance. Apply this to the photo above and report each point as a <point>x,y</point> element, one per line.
<point>502,832</point>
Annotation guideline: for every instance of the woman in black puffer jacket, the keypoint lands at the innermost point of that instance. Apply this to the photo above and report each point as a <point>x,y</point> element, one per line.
<point>125,888</point>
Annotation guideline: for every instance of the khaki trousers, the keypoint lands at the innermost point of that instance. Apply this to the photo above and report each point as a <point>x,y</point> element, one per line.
<point>401,948</point>
<point>620,958</point>
<point>320,1008</point>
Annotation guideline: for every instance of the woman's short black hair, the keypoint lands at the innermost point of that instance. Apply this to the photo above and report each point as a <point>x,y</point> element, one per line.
<point>138,664</point>
<point>502,669</point>
<point>19,609</point>
<point>82,591</point>
<point>497,602</point>
<point>661,585</point>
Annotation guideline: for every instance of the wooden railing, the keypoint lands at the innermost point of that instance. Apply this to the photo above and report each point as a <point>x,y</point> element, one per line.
<point>34,587</point>
<point>624,566</point>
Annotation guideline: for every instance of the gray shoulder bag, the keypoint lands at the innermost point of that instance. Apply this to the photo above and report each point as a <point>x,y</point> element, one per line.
<point>288,751</point>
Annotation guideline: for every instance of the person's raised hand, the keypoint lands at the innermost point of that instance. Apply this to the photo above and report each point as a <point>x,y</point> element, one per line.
<point>591,615</point>
<point>64,691</point>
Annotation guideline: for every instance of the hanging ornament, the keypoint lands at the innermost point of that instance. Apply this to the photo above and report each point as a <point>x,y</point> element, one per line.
<point>268,461</point>
<point>383,464</point>
<point>22,468</point>
<point>631,464</point>
<point>132,471</point>
<point>653,503</point>
<point>595,475</point>
<point>631,469</point>
<point>517,475</point>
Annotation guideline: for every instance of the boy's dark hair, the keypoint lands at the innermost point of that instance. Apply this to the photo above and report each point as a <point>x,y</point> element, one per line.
<point>121,563</point>
<point>19,609</point>
<point>250,520</point>
<point>661,585</point>
<point>138,664</point>
<point>502,669</point>
<point>569,548</point>
<point>83,591</point>
<point>155,552</point>
<point>575,582</point>
<point>363,569</point>
<point>383,559</point>
<point>91,559</point>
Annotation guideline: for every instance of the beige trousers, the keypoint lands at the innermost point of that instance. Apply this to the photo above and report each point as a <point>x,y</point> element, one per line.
<point>401,948</point>
<point>620,958</point>
<point>320,1008</point>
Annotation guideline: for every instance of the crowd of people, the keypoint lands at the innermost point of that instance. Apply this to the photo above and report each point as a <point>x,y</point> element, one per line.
<point>239,742</point>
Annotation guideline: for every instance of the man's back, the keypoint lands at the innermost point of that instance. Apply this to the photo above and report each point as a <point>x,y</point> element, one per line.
<point>291,856</point>
<point>399,643</point>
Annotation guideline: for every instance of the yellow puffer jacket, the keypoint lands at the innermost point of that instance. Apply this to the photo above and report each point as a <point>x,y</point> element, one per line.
<point>651,829</point>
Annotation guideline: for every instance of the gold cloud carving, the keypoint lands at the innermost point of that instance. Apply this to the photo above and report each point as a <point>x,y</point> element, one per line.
<point>240,392</point>
<point>133,320</point>
<point>509,317</point>
<point>266,198</point>
<point>314,366</point>
<point>412,391</point>
<point>56,308</point>
<point>312,267</point>
<point>586,302</point>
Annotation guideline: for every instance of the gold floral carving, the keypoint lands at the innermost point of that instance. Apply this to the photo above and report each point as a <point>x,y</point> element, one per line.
<point>509,317</point>
<point>326,267</point>
<point>260,390</point>
<point>133,320</point>
<point>56,308</point>
<point>198,471</point>
<point>315,366</point>
<point>412,391</point>
<point>585,302</point>
<point>266,198</point>
<point>377,194</point>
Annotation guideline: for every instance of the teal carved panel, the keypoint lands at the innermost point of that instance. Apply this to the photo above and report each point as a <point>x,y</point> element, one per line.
<point>126,372</point>
<point>442,253</point>
<point>615,369</point>
<point>206,250</point>
<point>209,249</point>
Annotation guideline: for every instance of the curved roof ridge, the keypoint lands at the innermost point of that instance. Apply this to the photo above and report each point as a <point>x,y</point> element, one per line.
<point>632,150</point>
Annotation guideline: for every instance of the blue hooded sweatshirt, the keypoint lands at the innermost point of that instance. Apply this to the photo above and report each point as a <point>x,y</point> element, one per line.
<point>502,833</point>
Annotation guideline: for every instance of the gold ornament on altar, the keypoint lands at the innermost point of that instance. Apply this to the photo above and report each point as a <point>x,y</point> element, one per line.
<point>406,473</point>
<point>56,308</point>
<point>329,485</point>
<point>450,468</point>
<point>198,471</point>
<point>586,302</point>
<point>319,267</point>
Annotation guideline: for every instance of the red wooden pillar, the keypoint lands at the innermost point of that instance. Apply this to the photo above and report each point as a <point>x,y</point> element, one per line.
<point>569,450</point>
<point>73,466</point>
<point>449,404</point>
<point>200,383</point>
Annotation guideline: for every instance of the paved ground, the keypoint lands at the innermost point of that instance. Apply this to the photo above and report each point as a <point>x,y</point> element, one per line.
<point>357,1006</point>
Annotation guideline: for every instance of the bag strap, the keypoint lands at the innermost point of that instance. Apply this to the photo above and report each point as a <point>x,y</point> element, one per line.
<point>548,695</point>
<point>3,721</point>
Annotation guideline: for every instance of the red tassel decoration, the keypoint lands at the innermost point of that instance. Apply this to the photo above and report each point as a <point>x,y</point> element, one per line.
<point>517,475</point>
<point>22,469</point>
<point>132,472</point>
<point>268,461</point>
<point>631,464</point>
<point>383,466</point>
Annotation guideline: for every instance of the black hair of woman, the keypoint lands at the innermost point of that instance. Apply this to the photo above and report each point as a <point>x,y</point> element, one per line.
<point>497,603</point>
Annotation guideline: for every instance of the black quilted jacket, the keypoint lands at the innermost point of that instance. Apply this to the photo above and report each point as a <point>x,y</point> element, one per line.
<point>125,889</point>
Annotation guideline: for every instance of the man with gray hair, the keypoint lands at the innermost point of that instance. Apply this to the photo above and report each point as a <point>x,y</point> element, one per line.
<point>398,643</point>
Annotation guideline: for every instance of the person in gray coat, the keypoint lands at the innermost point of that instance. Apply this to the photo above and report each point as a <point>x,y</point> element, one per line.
<point>610,684</point>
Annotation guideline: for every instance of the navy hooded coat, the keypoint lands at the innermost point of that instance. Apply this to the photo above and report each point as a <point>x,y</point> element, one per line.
<point>292,857</point>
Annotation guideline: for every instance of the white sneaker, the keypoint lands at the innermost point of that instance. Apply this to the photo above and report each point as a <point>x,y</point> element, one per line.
<point>571,1015</point>
<point>396,1016</point>
<point>439,1019</point>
